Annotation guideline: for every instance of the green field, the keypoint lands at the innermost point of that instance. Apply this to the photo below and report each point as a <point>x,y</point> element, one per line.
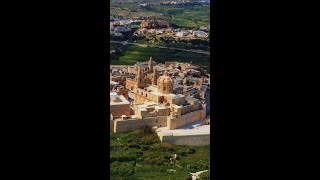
<point>141,155</point>
<point>135,54</point>
<point>183,16</point>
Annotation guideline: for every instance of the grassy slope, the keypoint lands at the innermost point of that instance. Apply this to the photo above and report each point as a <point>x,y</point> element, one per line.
<point>146,161</point>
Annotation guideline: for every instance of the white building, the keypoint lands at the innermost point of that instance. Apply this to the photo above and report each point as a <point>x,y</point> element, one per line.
<point>200,34</point>
<point>181,34</point>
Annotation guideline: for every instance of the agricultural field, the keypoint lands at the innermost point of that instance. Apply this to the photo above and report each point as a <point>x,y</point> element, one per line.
<point>127,9</point>
<point>134,54</point>
<point>185,16</point>
<point>178,15</point>
<point>141,155</point>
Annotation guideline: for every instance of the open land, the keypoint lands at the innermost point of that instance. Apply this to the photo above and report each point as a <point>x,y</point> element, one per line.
<point>134,54</point>
<point>178,15</point>
<point>140,155</point>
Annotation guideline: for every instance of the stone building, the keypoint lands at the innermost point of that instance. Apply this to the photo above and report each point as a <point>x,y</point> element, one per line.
<point>154,24</point>
<point>165,84</point>
<point>142,79</point>
<point>119,105</point>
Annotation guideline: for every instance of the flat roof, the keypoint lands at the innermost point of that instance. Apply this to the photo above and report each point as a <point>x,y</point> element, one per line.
<point>175,96</point>
<point>114,95</point>
<point>189,98</point>
<point>156,93</point>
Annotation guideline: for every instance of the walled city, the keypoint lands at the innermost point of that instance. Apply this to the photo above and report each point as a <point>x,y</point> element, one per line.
<point>172,95</point>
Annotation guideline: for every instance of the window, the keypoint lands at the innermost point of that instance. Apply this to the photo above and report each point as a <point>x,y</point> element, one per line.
<point>164,88</point>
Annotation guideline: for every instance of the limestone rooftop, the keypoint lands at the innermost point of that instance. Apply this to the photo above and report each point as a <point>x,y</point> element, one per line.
<point>152,88</point>
<point>112,82</point>
<point>175,96</point>
<point>157,93</point>
<point>189,98</point>
<point>116,99</point>
<point>147,104</point>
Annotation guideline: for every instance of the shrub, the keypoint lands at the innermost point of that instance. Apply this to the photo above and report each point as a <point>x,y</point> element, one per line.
<point>144,147</point>
<point>124,155</point>
<point>147,139</point>
<point>145,136</point>
<point>121,169</point>
<point>192,150</point>
<point>163,146</point>
<point>150,161</point>
<point>134,145</point>
<point>205,175</point>
<point>183,152</point>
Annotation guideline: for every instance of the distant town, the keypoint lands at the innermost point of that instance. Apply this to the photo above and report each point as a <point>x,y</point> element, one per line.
<point>118,26</point>
<point>162,23</point>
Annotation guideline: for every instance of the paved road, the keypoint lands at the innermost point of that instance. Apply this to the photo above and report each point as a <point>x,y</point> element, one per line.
<point>164,47</point>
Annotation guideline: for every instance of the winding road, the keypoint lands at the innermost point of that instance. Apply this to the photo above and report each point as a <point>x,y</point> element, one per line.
<point>163,47</point>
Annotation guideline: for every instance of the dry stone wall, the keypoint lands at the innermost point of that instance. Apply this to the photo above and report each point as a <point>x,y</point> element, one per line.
<point>189,140</point>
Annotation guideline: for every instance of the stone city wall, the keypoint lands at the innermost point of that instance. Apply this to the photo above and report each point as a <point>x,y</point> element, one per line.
<point>120,109</point>
<point>111,125</point>
<point>190,118</point>
<point>134,124</point>
<point>189,140</point>
<point>189,108</point>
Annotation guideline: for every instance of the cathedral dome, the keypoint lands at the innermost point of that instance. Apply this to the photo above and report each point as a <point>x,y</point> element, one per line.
<point>165,83</point>
<point>165,78</point>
